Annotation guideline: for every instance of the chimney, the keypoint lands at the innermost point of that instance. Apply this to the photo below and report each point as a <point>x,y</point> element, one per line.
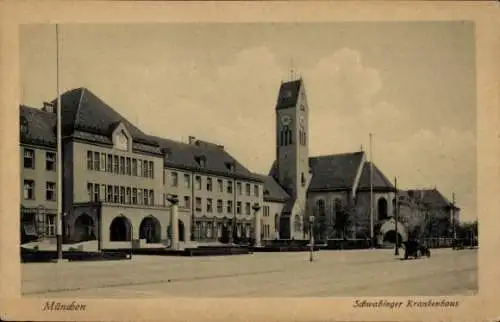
<point>48,107</point>
<point>192,139</point>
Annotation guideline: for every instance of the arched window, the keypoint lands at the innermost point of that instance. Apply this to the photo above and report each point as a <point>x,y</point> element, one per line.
<point>382,208</point>
<point>303,179</point>
<point>289,134</point>
<point>320,207</point>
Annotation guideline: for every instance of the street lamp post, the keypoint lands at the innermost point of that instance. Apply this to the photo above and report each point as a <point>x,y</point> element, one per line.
<point>311,238</point>
<point>256,207</point>
<point>174,202</point>
<point>396,216</point>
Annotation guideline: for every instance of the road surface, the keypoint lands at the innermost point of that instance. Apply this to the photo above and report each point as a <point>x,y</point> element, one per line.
<point>333,273</point>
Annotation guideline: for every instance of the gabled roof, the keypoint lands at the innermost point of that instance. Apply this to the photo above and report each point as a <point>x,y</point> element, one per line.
<point>380,182</point>
<point>288,94</point>
<point>431,197</point>
<point>82,111</point>
<point>217,159</point>
<point>334,172</point>
<point>40,127</point>
<point>272,190</point>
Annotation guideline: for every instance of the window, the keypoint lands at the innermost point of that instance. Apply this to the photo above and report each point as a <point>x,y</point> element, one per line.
<point>209,184</point>
<point>229,187</point>
<point>90,160</point>
<point>145,170</point>
<point>97,191</point>
<point>134,196</point>
<point>247,208</point>
<point>187,202</point>
<point>229,207</point>
<point>51,225</point>
<point>90,190</point>
<point>139,196</point>
<point>128,195</point>
<point>238,207</point>
<point>175,179</point>
<point>209,205</point>
<point>50,161</point>
<point>220,185</point>
<point>122,165</point>
<point>139,168</point>
<point>116,194</point>
<point>198,204</point>
<point>151,170</point>
<point>110,194</point>
<point>145,197</point>
<point>219,206</point>
<point>187,181</point>
<point>238,188</point>
<point>229,166</point>
<point>29,189</point>
<point>103,162</point>
<point>320,207</point>
<point>198,183</point>
<point>151,197</point>
<point>134,167</point>
<point>122,195</point>
<point>256,190</point>
<point>128,166</point>
<point>201,161</point>
<point>303,179</point>
<point>102,194</point>
<point>110,163</point>
<point>97,163</point>
<point>247,189</point>
<point>116,164</point>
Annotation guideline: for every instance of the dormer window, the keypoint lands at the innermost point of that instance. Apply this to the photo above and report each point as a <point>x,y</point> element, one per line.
<point>121,142</point>
<point>288,94</point>
<point>229,166</point>
<point>167,154</point>
<point>266,192</point>
<point>201,161</point>
<point>23,125</point>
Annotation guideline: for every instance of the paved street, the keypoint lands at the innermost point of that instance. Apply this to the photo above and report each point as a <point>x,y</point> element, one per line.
<point>334,273</point>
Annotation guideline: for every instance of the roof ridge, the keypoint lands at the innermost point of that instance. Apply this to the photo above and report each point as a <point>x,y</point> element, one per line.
<point>336,154</point>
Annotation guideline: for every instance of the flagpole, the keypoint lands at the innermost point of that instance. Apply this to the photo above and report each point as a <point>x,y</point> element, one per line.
<point>371,192</point>
<point>59,156</point>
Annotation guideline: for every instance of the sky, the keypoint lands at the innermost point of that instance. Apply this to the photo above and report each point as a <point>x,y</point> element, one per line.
<point>411,84</point>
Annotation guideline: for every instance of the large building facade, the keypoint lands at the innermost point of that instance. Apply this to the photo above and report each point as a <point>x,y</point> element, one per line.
<point>117,179</point>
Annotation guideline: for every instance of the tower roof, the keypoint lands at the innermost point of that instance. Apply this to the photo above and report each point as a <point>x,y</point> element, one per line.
<point>288,94</point>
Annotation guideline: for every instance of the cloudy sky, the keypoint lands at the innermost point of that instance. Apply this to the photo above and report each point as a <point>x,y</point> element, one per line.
<point>411,84</point>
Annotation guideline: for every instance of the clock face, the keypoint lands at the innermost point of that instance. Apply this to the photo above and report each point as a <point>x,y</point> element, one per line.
<point>286,120</point>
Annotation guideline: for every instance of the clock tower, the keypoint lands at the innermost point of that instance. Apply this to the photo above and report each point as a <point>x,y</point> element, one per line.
<point>292,137</point>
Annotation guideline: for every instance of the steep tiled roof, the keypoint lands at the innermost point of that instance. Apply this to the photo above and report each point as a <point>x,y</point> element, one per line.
<point>380,182</point>
<point>288,94</point>
<point>217,159</point>
<point>431,197</point>
<point>37,127</point>
<point>334,172</point>
<point>272,190</point>
<point>83,111</point>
